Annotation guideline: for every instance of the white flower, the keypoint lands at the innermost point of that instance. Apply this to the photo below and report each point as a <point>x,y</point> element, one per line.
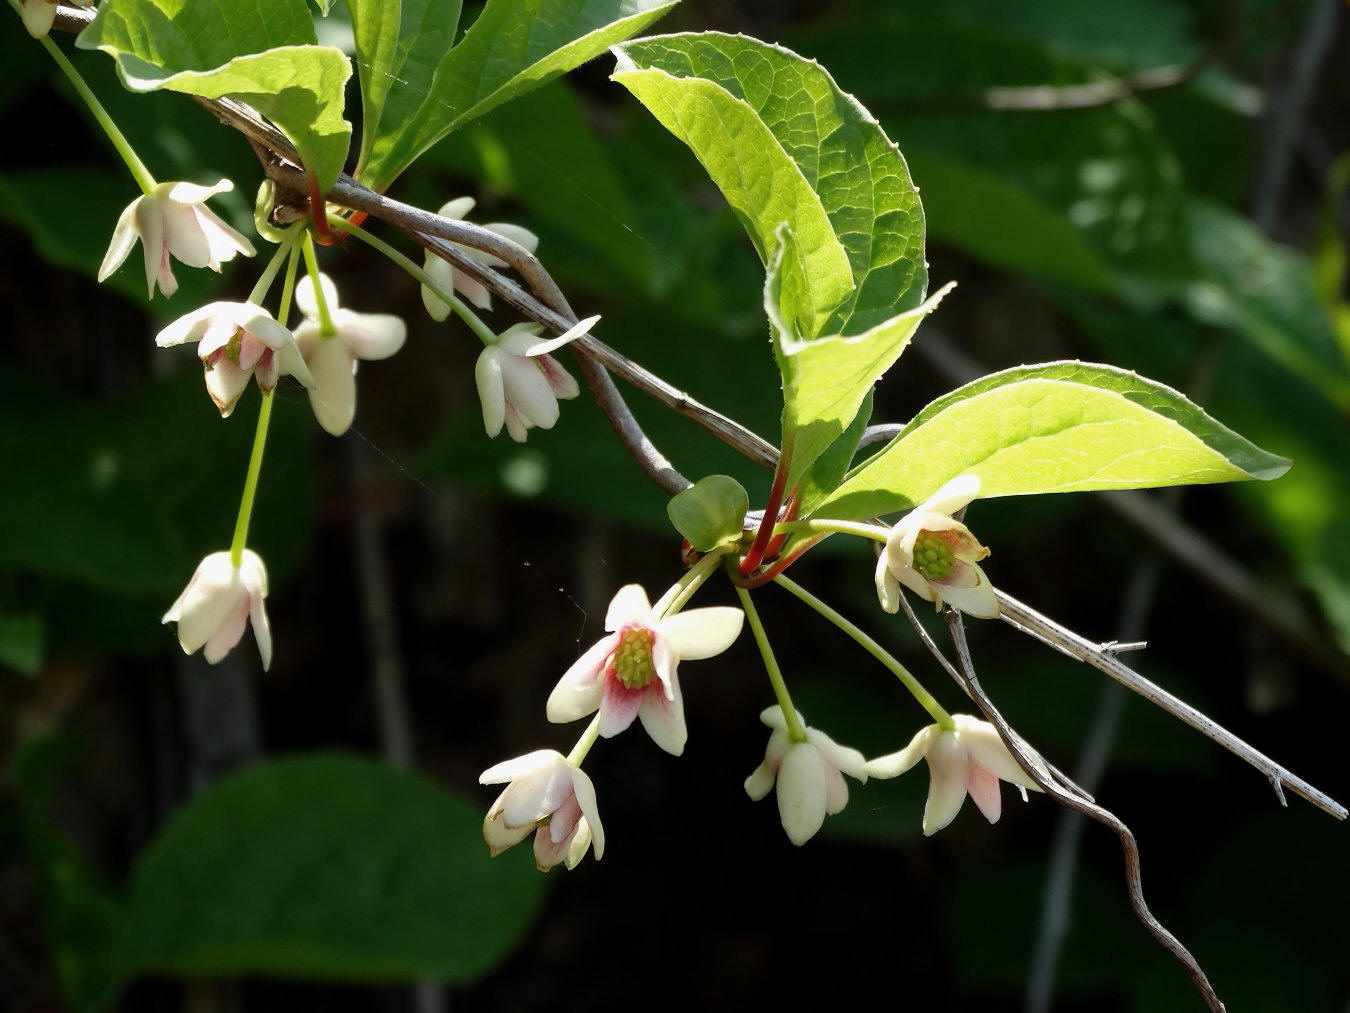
<point>519,383</point>
<point>171,220</point>
<point>935,556</point>
<point>548,793</point>
<point>332,359</point>
<point>470,288</point>
<point>38,15</point>
<point>216,604</point>
<point>971,758</point>
<point>236,340</point>
<point>633,671</point>
<point>809,776</point>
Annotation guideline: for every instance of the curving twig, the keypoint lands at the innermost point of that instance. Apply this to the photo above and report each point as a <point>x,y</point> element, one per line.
<point>1129,846</point>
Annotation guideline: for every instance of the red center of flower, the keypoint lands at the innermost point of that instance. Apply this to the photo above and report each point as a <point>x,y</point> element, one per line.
<point>933,556</point>
<point>631,661</point>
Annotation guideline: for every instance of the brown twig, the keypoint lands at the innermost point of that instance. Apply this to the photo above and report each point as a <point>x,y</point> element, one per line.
<point>1129,846</point>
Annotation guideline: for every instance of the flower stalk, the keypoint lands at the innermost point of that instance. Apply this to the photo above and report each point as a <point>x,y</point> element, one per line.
<point>583,746</point>
<point>251,480</point>
<point>326,327</point>
<point>780,691</point>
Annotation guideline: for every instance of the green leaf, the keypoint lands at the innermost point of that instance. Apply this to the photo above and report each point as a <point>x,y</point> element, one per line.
<point>1055,427</point>
<point>513,47</point>
<point>839,150</point>
<point>826,379</point>
<point>332,867</point>
<point>398,45</point>
<point>833,464</point>
<point>264,56</point>
<point>21,641</point>
<point>711,512</point>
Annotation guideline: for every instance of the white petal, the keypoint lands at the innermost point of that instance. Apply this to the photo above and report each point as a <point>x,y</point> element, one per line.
<point>836,790</point>
<point>183,235</point>
<point>473,290</point>
<point>619,706</point>
<point>487,374</point>
<point>371,336</point>
<point>530,799</point>
<point>210,596</point>
<point>628,607</point>
<point>888,588</point>
<point>150,227</point>
<point>459,207</point>
<point>517,428</point>
<point>701,633</point>
<point>38,17</point>
<point>895,764</point>
<point>225,383</point>
<point>581,840</point>
<point>124,233</point>
<point>843,758</point>
<point>333,395</point>
<point>982,787</point>
<point>979,601</point>
<point>308,302</point>
<point>498,835</point>
<point>228,633</point>
<point>759,782</point>
<point>953,495</point>
<point>664,719</point>
<point>518,234</point>
<point>262,629</point>
<point>948,769</point>
<point>528,391</point>
<point>560,381</point>
<point>444,275</point>
<point>585,792</point>
<point>224,241</point>
<point>579,691</point>
<point>191,193</point>
<point>801,792</point>
<point>986,748</point>
<point>542,347</point>
<point>521,766</point>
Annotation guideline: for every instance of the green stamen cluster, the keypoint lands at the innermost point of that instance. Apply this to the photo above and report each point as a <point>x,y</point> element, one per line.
<point>233,347</point>
<point>632,659</point>
<point>933,557</point>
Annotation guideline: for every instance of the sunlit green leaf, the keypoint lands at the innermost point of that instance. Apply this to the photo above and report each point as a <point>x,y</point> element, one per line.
<point>331,867</point>
<point>1056,427</point>
<point>512,47</point>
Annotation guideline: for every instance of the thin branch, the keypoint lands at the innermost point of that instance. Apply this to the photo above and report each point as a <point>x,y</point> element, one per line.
<point>1030,621</point>
<point>1129,846</point>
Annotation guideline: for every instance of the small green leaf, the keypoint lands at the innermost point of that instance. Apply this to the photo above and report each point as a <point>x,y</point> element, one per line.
<point>513,47</point>
<point>826,379</point>
<point>332,867</point>
<point>711,512</point>
<point>1055,427</point>
<point>21,641</point>
<point>837,146</point>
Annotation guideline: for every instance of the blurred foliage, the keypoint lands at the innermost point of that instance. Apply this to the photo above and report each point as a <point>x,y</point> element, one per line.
<point>1118,233</point>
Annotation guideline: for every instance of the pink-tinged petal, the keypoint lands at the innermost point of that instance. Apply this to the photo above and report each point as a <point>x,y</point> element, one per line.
<point>521,766</point>
<point>983,789</point>
<point>982,741</point>
<point>664,719</point>
<point>560,381</point>
<point>527,391</point>
<point>585,794</point>
<point>370,335</point>
<point>38,17</point>
<point>307,301</point>
<point>628,607</point>
<point>701,633</point>
<point>918,583</point>
<point>953,495</point>
<point>183,236</point>
<point>888,588</point>
<point>843,758</point>
<point>547,851</point>
<point>530,799</point>
<point>619,705</point>
<point>444,276</point>
<point>836,791</point>
<point>150,227</point>
<point>578,692</point>
<point>473,290</point>
<point>948,770</point>
<point>518,234</point>
<point>487,375</point>
<point>458,207</point>
<point>250,351</point>
<point>333,396</point>
<point>168,284</point>
<point>516,427</point>
<point>125,233</point>
<point>963,544</point>
<point>895,764</point>
<point>224,241</point>
<point>801,792</point>
<point>563,823</point>
<point>228,633</point>
<point>666,665</point>
<point>252,573</point>
<point>962,575</point>
<point>498,835</point>
<point>979,601</point>
<point>225,382</point>
<point>262,630</point>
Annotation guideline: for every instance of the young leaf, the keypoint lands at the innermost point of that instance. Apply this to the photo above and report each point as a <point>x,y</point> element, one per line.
<point>711,512</point>
<point>326,866</point>
<point>513,46</point>
<point>1054,427</point>
<point>159,37</point>
<point>857,174</point>
<point>826,379</point>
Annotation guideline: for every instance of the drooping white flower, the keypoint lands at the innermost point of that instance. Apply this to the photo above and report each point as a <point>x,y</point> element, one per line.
<point>550,796</point>
<point>633,672</point>
<point>809,776</point>
<point>519,383</point>
<point>447,277</point>
<point>935,556</point>
<point>217,603</point>
<point>969,759</point>
<point>237,340</point>
<point>172,220</point>
<point>39,15</point>
<point>332,359</point>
